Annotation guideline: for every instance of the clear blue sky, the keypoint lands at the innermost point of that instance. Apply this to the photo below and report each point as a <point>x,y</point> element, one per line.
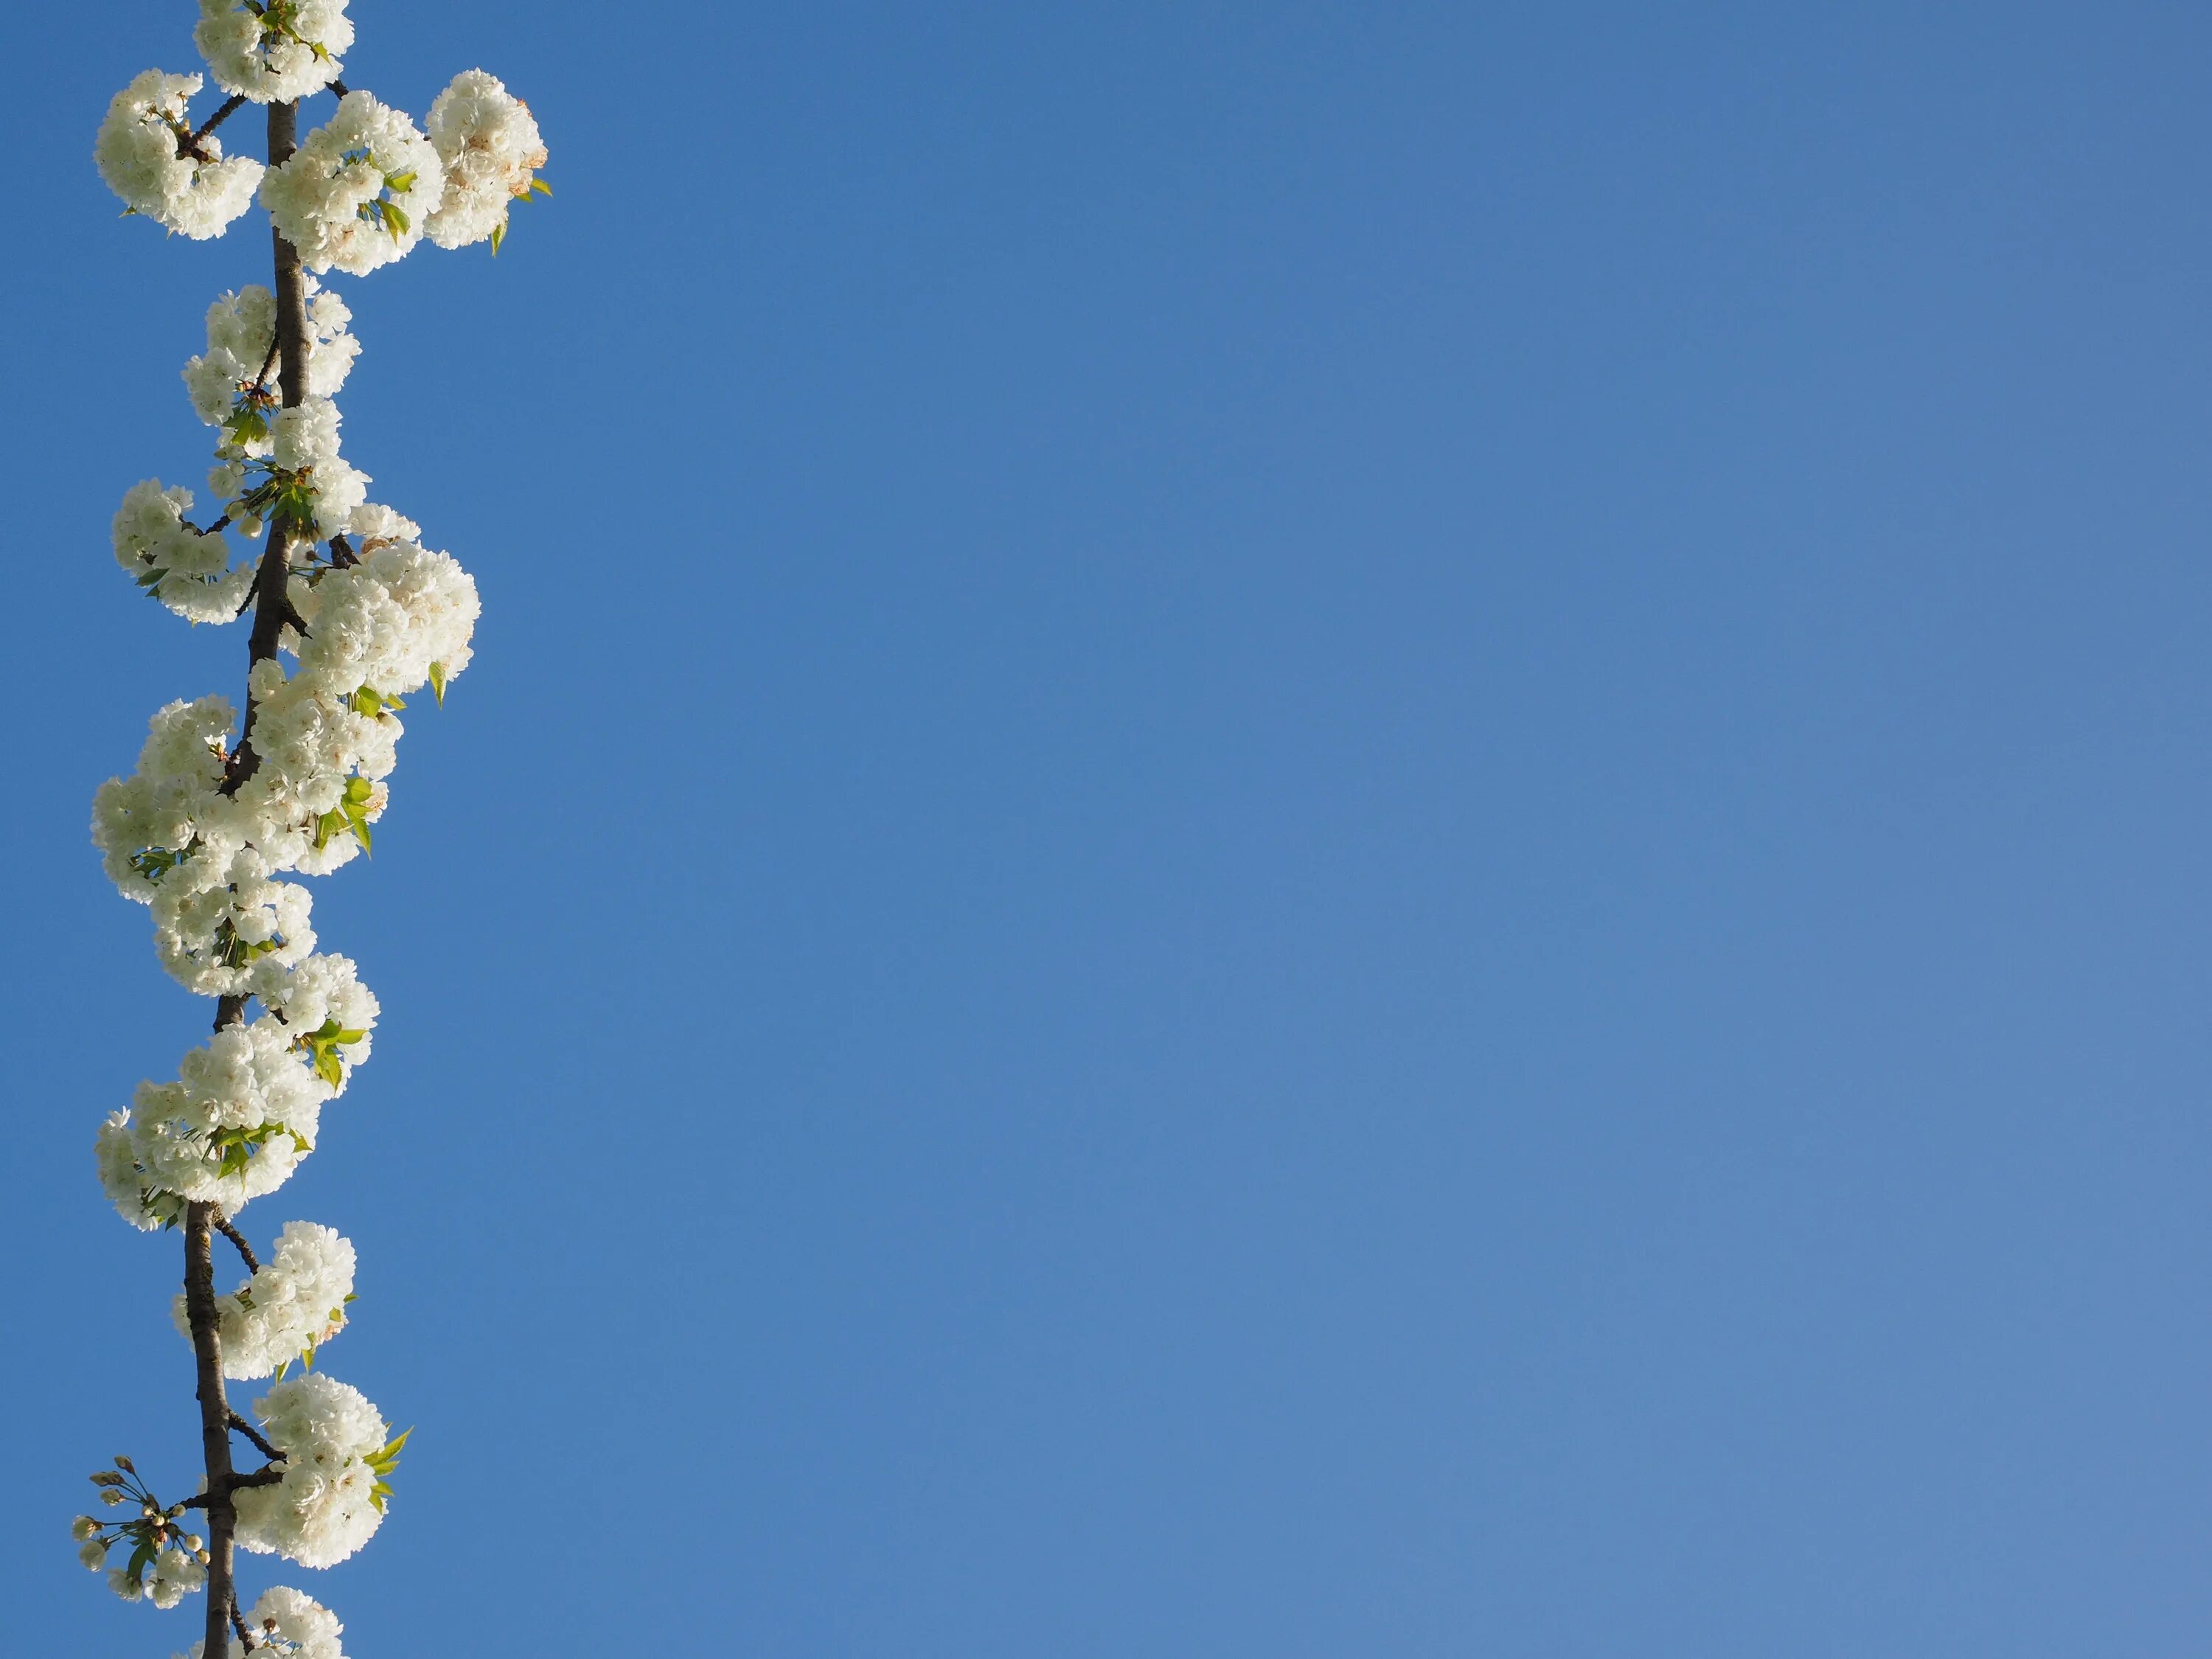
<point>1292,830</point>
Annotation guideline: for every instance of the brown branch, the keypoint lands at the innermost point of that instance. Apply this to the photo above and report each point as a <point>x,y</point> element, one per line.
<point>273,606</point>
<point>191,145</point>
<point>262,1477</point>
<point>253,1434</point>
<point>215,1415</point>
<point>223,1226</point>
<point>237,1623</point>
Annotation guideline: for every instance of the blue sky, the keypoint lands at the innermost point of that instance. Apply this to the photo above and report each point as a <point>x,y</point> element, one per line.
<point>1290,829</point>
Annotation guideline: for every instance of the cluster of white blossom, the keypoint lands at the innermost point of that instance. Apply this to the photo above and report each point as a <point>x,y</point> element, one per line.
<point>214,819</point>
<point>164,1563</point>
<point>241,354</point>
<point>146,153</point>
<point>245,1108</point>
<point>287,1623</point>
<point>488,141</point>
<point>175,1576</point>
<point>273,50</point>
<point>187,569</point>
<point>379,629</point>
<point>336,1447</point>
<point>293,1304</point>
<point>355,195</point>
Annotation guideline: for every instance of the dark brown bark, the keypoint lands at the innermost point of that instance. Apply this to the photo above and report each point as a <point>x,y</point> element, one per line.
<point>253,1434</point>
<point>272,609</point>
<point>237,1239</point>
<point>215,1420</point>
<point>191,146</point>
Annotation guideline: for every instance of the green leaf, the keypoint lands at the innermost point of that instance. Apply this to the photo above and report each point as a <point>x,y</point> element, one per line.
<point>498,235</point>
<point>541,186</point>
<point>438,669</point>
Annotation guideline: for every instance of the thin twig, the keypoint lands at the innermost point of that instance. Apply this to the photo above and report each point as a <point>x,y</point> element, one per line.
<point>253,1434</point>
<point>238,1624</point>
<point>222,1224</point>
<point>231,105</point>
<point>262,1477</point>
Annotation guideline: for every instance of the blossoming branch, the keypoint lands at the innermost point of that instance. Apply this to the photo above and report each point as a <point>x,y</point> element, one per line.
<point>351,616</point>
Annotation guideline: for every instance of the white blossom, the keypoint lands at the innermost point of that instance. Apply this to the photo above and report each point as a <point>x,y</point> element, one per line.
<point>214,920</point>
<point>288,1625</point>
<point>318,991</point>
<point>138,154</point>
<point>388,621</point>
<point>356,194</point>
<point>245,1108</point>
<point>176,1574</point>
<point>273,56</point>
<point>241,340</point>
<point>294,1302</point>
<point>327,1505</point>
<point>188,570</point>
<point>145,824</point>
<point>488,140</point>
<point>319,786</point>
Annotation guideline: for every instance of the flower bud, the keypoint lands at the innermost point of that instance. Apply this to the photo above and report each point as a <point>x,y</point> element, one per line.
<point>84,1528</point>
<point>126,1466</point>
<point>111,1496</point>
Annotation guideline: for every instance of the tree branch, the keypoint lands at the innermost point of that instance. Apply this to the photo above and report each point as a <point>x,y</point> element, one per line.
<point>237,1623</point>
<point>223,1226</point>
<point>253,1434</point>
<point>191,146</point>
<point>200,1500</point>
<point>270,585</point>
<point>215,1413</point>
